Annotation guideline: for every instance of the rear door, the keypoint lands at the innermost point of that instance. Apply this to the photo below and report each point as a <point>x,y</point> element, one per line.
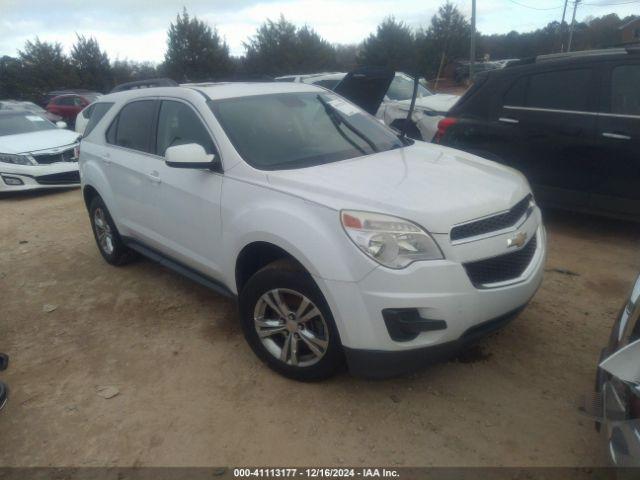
<point>129,164</point>
<point>554,127</point>
<point>618,132</point>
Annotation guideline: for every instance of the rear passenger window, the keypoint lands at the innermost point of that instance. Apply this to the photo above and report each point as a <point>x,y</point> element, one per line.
<point>178,124</point>
<point>96,112</point>
<point>515,94</point>
<point>133,126</point>
<point>625,95</point>
<point>560,90</point>
<point>86,113</point>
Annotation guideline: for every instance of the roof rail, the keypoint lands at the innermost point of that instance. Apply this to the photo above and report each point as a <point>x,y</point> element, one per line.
<point>151,83</point>
<point>520,61</point>
<point>583,53</point>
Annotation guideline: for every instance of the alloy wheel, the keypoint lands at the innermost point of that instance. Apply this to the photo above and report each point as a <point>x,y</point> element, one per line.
<point>291,327</point>
<point>104,233</point>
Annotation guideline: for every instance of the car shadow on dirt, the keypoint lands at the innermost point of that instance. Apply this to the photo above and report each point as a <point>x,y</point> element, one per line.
<point>34,194</point>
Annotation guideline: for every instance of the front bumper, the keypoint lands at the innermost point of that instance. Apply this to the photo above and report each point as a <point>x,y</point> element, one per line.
<point>438,290</point>
<point>383,364</point>
<point>15,178</point>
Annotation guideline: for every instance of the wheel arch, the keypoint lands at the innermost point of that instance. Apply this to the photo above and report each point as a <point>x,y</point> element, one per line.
<point>88,194</point>
<point>257,255</point>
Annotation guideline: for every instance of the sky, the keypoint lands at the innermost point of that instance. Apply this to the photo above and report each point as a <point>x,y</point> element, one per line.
<point>136,29</point>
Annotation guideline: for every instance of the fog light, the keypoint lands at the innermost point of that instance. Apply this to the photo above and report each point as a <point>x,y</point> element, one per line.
<point>12,180</point>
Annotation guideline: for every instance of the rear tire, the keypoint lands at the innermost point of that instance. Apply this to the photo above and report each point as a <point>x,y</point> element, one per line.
<point>108,239</point>
<point>288,323</point>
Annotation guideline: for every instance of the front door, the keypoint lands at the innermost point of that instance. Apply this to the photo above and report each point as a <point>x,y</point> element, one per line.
<point>188,217</point>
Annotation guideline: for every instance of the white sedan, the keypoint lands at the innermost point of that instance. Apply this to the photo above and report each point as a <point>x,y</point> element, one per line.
<point>35,153</point>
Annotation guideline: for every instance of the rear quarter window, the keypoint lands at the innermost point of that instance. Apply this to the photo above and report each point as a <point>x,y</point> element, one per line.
<point>467,103</point>
<point>515,93</point>
<point>95,114</point>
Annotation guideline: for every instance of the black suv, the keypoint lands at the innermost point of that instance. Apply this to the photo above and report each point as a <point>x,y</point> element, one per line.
<point>569,122</point>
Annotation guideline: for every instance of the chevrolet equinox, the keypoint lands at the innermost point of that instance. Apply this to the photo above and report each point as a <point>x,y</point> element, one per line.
<point>340,239</point>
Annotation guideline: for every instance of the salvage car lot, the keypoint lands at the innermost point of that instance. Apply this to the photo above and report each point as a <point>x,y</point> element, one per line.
<point>190,392</point>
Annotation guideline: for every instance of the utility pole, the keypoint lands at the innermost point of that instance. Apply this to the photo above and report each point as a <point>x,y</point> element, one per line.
<point>573,24</point>
<point>561,27</point>
<point>472,54</point>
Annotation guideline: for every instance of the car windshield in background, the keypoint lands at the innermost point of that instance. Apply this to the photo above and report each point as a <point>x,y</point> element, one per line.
<point>14,124</point>
<point>401,88</point>
<point>31,107</point>
<point>294,130</point>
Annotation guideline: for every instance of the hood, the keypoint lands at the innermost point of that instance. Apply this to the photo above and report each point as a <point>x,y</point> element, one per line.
<point>434,186</point>
<point>438,102</point>
<point>366,87</point>
<point>35,141</point>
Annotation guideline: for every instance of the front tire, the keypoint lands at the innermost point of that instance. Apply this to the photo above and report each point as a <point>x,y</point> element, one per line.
<point>288,324</point>
<point>108,239</point>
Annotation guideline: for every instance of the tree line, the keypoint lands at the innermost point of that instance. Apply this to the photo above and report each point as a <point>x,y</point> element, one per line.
<point>196,52</point>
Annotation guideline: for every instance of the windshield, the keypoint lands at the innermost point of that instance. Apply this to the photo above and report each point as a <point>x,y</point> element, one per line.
<point>401,88</point>
<point>294,130</point>
<point>32,107</point>
<point>13,124</point>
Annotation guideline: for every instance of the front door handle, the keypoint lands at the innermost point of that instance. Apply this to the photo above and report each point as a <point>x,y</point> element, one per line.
<point>508,120</point>
<point>616,136</point>
<point>154,177</point>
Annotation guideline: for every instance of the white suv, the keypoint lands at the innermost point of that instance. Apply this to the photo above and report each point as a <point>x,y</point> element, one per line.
<point>339,239</point>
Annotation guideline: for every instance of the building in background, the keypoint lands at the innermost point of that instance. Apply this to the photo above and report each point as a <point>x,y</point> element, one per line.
<point>630,33</point>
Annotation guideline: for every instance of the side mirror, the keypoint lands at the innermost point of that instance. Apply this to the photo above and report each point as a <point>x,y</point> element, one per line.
<point>61,124</point>
<point>190,155</point>
<point>624,364</point>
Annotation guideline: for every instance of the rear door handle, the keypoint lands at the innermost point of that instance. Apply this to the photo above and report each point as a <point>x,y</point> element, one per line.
<point>106,158</point>
<point>508,120</point>
<point>154,177</point>
<point>616,136</point>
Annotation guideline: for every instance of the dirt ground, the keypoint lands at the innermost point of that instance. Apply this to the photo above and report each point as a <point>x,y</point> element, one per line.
<point>191,393</point>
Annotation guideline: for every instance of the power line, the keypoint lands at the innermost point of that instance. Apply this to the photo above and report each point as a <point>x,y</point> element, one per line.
<point>534,8</point>
<point>611,4</point>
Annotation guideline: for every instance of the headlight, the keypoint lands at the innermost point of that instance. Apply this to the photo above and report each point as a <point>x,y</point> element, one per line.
<point>390,241</point>
<point>16,159</point>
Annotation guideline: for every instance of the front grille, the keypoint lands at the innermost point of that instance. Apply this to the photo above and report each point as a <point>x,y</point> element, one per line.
<point>502,268</point>
<point>59,178</point>
<point>48,158</point>
<point>492,224</point>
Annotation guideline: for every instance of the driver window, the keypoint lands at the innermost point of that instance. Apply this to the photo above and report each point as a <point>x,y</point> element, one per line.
<point>178,124</point>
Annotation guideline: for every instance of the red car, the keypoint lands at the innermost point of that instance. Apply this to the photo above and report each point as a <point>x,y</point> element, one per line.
<point>69,105</point>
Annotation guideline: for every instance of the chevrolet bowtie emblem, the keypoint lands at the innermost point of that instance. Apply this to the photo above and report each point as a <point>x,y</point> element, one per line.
<point>517,240</point>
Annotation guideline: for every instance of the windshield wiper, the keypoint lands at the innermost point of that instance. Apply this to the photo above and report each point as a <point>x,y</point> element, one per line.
<point>338,119</point>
